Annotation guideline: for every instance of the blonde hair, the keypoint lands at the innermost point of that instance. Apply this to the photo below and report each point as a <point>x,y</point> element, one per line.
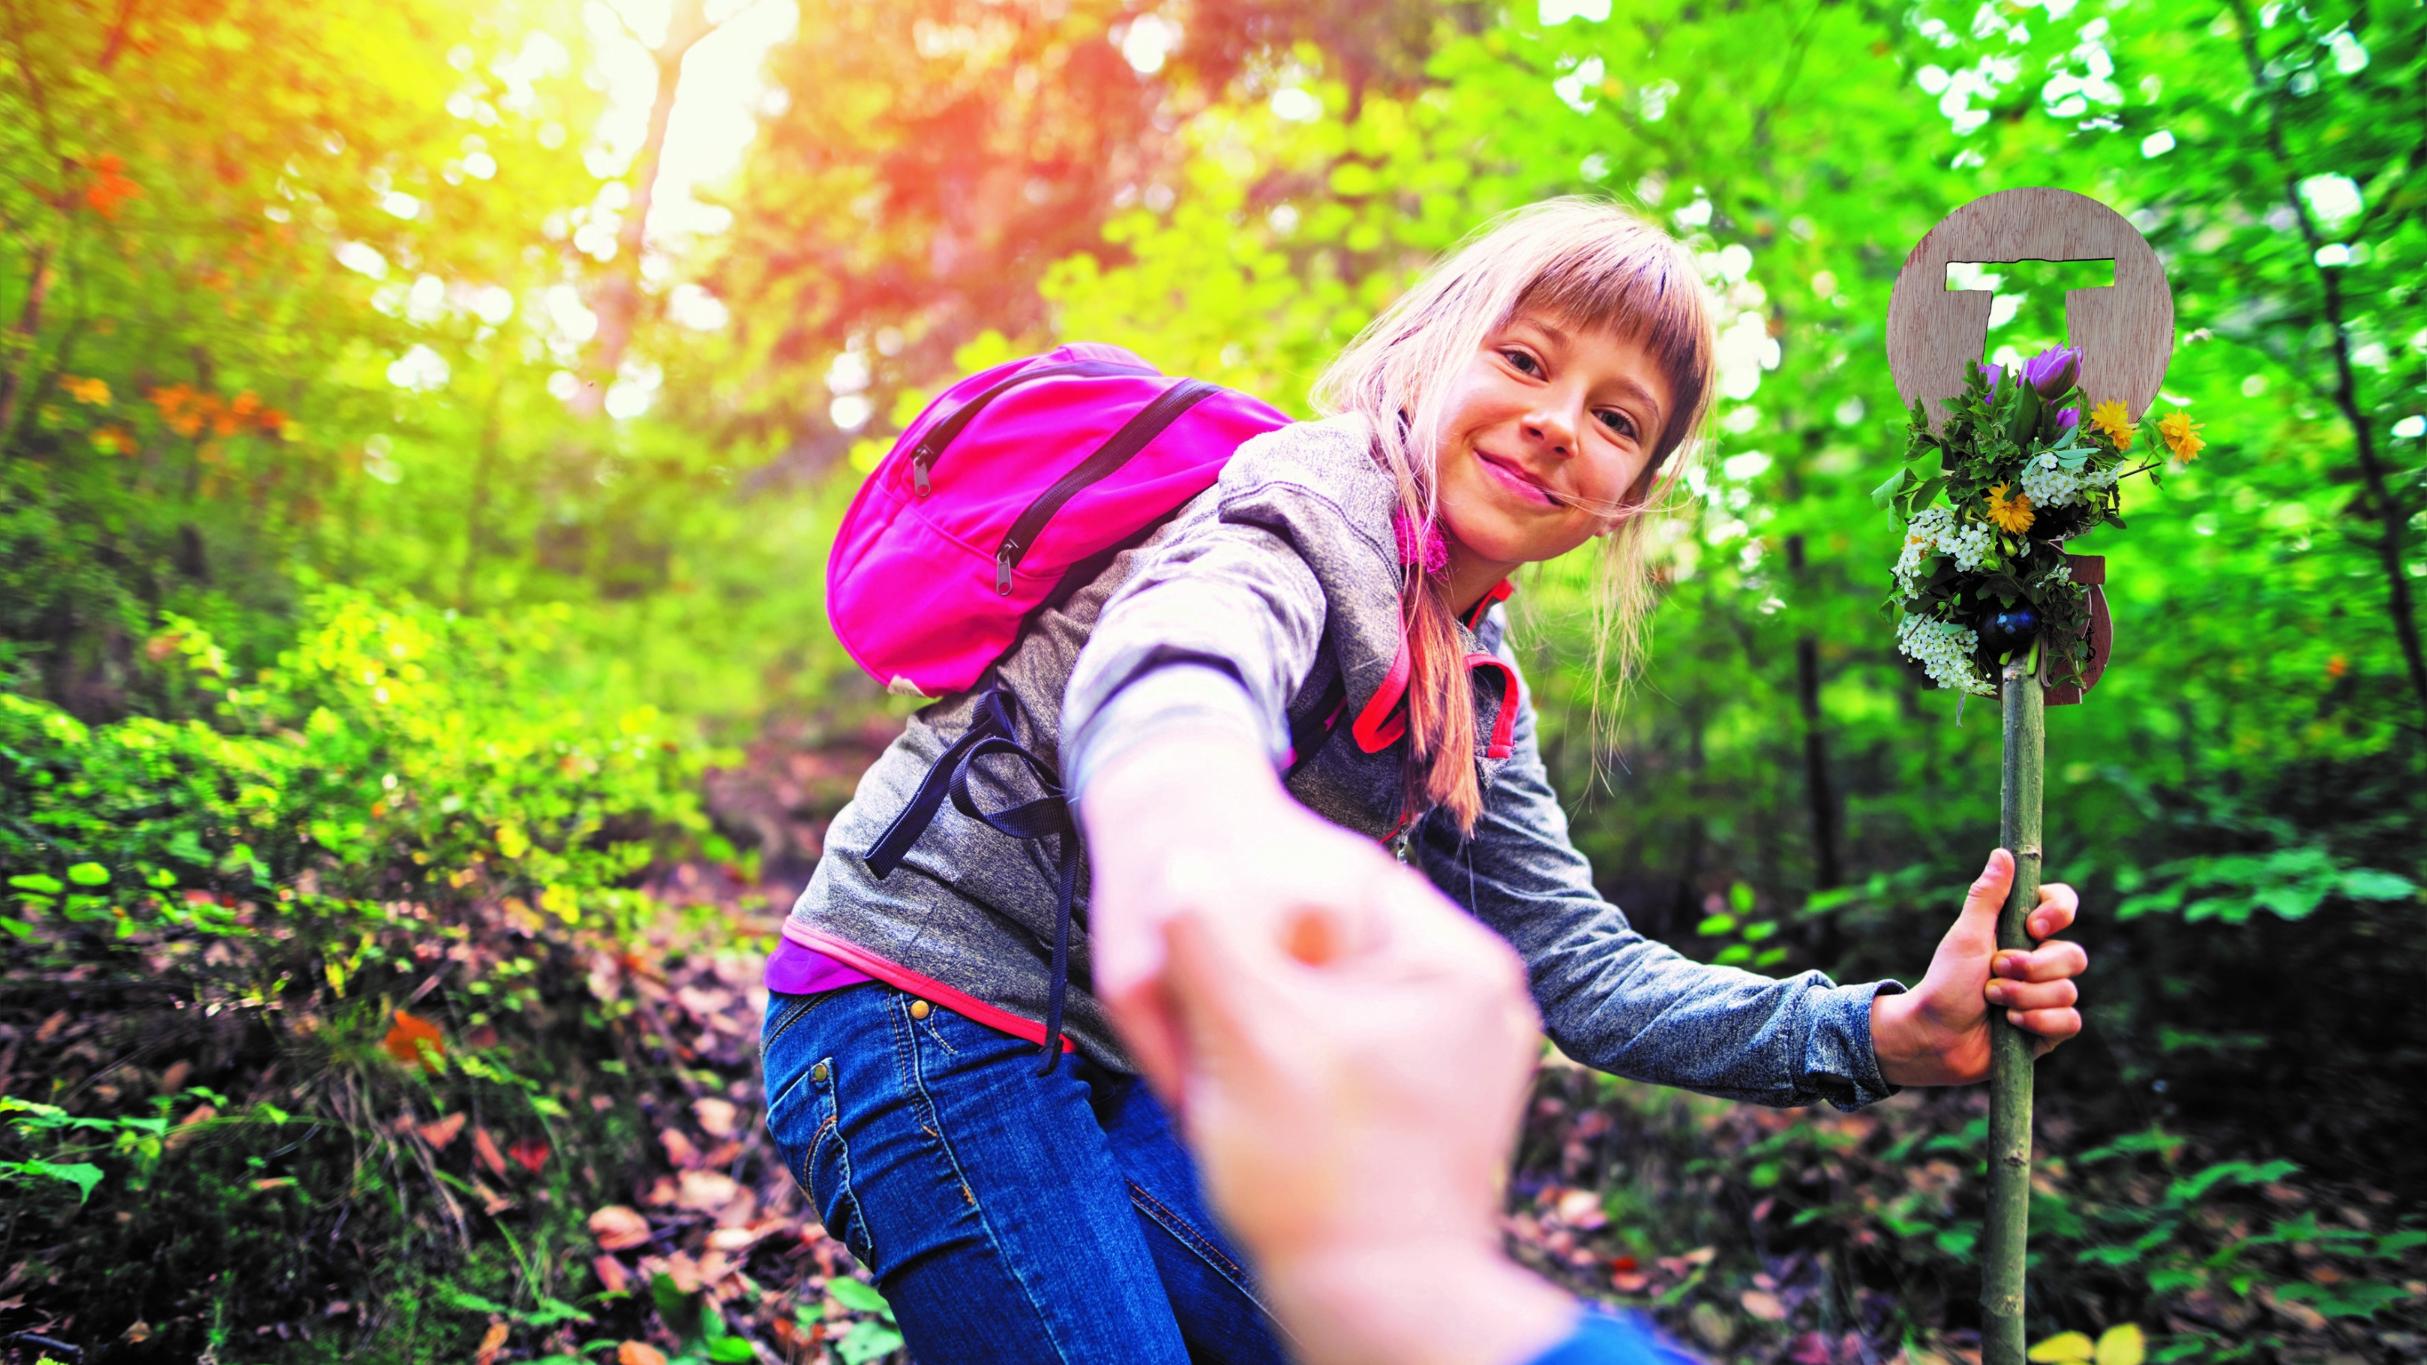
<point>1592,265</point>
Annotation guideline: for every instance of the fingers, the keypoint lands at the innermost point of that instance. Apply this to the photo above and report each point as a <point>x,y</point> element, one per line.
<point>2024,996</point>
<point>1988,891</point>
<point>2058,904</point>
<point>1148,1021</point>
<point>2052,1026</point>
<point>2051,961</point>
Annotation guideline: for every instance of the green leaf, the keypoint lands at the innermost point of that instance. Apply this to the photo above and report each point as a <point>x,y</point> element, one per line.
<point>81,1174</point>
<point>1716,924</point>
<point>2369,884</point>
<point>38,884</point>
<point>1885,493</point>
<point>857,1296</point>
<point>866,1341</point>
<point>89,874</point>
<point>472,1303</point>
<point>2295,901</point>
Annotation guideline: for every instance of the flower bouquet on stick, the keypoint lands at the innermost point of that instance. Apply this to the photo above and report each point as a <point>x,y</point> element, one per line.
<point>1988,499</point>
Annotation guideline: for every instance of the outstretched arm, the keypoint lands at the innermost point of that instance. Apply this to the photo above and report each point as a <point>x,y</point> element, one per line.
<point>1623,1003</point>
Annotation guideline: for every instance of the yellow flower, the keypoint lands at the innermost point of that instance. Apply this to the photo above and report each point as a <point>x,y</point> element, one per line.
<point>90,392</point>
<point>2109,417</point>
<point>2011,511</point>
<point>2181,435</point>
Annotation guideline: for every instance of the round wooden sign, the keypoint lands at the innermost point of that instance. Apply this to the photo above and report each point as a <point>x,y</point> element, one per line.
<point>2125,331</point>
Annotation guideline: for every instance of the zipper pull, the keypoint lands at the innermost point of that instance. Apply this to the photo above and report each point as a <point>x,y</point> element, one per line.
<point>918,470</point>
<point>1002,566</point>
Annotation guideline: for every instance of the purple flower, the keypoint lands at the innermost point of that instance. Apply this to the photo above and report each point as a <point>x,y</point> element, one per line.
<point>2067,417</point>
<point>1992,373</point>
<point>2054,370</point>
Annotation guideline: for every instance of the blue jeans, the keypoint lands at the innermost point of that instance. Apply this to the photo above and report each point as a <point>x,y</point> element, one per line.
<point>1007,1216</point>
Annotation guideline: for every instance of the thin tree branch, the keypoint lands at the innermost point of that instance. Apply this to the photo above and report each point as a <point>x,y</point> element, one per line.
<point>2386,507</point>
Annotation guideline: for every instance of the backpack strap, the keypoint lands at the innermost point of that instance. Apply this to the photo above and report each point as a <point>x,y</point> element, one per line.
<point>1048,816</point>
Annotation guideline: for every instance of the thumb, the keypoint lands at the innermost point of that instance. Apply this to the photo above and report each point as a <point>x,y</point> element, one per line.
<point>1987,895</point>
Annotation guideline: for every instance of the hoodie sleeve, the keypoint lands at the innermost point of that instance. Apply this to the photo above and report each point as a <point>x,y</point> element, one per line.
<point>1218,626</point>
<point>1628,1005</point>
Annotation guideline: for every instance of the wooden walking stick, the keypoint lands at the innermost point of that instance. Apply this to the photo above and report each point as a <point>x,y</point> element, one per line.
<point>1990,601</point>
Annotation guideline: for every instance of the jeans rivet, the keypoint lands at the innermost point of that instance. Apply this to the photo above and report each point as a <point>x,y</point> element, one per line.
<point>818,1073</point>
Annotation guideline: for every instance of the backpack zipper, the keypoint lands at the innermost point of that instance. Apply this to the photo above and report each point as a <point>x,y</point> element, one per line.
<point>931,446</point>
<point>1115,452</point>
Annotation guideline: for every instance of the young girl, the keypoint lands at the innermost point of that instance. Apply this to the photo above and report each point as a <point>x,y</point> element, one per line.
<point>1303,666</point>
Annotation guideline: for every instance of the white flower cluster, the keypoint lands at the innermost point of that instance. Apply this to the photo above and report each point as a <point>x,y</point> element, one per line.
<point>2049,484</point>
<point>1945,651</point>
<point>1936,532</point>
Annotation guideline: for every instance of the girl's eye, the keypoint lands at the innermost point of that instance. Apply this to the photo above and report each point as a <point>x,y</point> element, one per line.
<point>1524,362</point>
<point>1618,422</point>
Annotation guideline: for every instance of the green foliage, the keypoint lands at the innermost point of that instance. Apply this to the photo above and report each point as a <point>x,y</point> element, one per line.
<point>391,752</point>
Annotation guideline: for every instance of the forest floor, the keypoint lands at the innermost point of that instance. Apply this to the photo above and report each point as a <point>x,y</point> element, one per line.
<point>1751,1235</point>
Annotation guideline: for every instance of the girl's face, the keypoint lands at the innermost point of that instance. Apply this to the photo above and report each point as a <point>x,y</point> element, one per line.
<point>1547,429</point>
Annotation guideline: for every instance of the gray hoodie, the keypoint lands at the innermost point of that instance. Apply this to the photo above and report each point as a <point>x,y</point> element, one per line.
<point>1261,605</point>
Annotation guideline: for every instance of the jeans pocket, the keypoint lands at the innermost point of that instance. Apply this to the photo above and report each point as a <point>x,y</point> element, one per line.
<point>823,1168</point>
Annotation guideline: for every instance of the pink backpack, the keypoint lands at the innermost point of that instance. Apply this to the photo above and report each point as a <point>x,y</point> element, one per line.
<point>1009,480</point>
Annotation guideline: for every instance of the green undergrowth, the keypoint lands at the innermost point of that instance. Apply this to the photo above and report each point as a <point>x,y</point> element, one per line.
<point>232,925</point>
<point>1758,1234</point>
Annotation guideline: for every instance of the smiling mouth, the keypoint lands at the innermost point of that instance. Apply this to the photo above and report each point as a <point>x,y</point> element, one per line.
<point>1516,478</point>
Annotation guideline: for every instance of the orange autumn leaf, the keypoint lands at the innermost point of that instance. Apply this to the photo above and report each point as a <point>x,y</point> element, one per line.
<point>531,1152</point>
<point>639,1353</point>
<point>491,1342</point>
<point>108,192</point>
<point>485,1147</point>
<point>114,441</point>
<point>439,1132</point>
<point>405,1041</point>
<point>93,393</point>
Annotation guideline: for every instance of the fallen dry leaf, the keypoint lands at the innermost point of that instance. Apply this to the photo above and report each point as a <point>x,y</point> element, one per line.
<point>410,1034</point>
<point>491,1342</point>
<point>485,1147</point>
<point>612,1276</point>
<point>439,1132</point>
<point>531,1153</point>
<point>184,1131</point>
<point>1763,1304</point>
<point>717,1118</point>
<point>619,1228</point>
<point>681,1151</point>
<point>491,1202</point>
<point>639,1353</point>
<point>707,1191</point>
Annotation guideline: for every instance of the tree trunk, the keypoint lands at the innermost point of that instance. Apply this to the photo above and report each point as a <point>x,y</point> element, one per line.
<point>2010,1060</point>
<point>619,295</point>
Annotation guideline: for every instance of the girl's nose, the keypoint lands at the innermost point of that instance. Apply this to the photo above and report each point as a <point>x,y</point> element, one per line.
<point>1553,429</point>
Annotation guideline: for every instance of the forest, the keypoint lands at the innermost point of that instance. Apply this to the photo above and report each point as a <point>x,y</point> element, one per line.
<point>423,426</point>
